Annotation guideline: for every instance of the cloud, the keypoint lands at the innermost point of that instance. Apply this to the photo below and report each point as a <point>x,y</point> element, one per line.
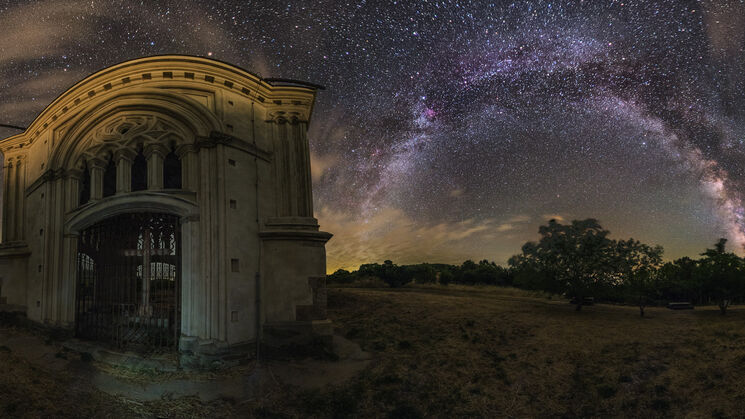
<point>506,227</point>
<point>45,28</point>
<point>391,234</point>
<point>21,113</point>
<point>520,219</point>
<point>456,193</point>
<point>37,94</point>
<point>319,164</point>
<point>57,38</point>
<point>514,223</point>
<point>724,21</point>
<point>52,28</point>
<point>58,81</point>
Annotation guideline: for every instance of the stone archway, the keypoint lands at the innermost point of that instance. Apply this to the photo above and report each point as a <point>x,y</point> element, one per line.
<point>110,281</point>
<point>129,281</point>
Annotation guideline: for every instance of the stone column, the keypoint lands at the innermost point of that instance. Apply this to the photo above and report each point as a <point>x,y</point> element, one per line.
<point>155,153</point>
<point>8,204</point>
<point>302,178</point>
<point>97,167</point>
<point>69,279</point>
<point>189,167</point>
<point>193,298</point>
<point>20,187</point>
<point>72,188</point>
<point>292,167</point>
<point>282,168</point>
<point>124,158</point>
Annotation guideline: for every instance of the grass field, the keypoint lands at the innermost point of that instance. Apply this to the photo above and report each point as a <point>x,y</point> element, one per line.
<point>469,351</point>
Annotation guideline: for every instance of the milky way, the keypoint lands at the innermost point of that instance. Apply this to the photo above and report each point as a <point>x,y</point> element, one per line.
<point>452,129</point>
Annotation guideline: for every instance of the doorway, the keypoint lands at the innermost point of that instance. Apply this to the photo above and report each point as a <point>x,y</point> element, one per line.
<point>128,282</point>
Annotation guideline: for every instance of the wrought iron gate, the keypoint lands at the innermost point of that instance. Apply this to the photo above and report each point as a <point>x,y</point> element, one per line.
<point>129,277</point>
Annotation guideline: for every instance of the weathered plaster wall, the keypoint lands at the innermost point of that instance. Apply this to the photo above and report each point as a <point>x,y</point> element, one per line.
<point>245,205</point>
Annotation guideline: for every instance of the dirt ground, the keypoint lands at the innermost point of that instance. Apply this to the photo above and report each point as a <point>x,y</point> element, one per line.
<point>443,352</point>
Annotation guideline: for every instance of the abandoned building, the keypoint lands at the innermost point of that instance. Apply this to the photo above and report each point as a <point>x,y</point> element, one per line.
<point>165,202</point>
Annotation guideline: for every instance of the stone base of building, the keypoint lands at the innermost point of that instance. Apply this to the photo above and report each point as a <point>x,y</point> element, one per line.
<point>281,340</point>
<point>195,353</point>
<point>313,338</point>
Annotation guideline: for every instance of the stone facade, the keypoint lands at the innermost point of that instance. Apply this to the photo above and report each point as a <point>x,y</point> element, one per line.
<point>251,254</point>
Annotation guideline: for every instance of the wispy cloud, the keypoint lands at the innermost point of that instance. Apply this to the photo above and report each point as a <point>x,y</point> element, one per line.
<point>391,234</point>
<point>456,193</point>
<point>319,164</point>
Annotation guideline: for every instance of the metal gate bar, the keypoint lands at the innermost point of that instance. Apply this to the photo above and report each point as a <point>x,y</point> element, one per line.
<point>129,278</point>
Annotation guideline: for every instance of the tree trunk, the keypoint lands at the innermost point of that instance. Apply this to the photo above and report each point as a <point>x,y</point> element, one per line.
<point>723,307</point>
<point>641,310</point>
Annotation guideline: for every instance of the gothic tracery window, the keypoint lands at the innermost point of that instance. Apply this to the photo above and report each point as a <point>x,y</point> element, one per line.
<point>109,178</point>
<point>139,172</point>
<point>172,171</point>
<point>84,190</point>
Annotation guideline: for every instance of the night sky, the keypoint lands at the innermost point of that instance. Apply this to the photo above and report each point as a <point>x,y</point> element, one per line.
<point>451,130</point>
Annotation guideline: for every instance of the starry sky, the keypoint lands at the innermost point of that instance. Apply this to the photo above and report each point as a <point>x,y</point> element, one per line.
<point>451,130</point>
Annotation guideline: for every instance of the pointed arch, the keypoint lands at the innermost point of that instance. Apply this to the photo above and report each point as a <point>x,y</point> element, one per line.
<point>144,116</point>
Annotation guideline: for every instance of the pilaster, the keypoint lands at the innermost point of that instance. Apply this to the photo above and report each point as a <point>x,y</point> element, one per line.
<point>189,167</point>
<point>155,153</point>
<point>124,158</point>
<point>8,202</point>
<point>96,167</point>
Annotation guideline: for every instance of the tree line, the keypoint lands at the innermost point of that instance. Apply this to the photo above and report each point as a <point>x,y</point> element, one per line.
<point>579,260</point>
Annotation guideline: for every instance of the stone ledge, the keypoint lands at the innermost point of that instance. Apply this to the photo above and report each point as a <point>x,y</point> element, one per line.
<point>300,235</point>
<point>14,249</point>
<point>292,223</point>
<point>12,308</point>
<point>195,353</point>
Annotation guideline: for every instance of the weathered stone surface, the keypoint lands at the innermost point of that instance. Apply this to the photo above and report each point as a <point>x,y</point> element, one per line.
<point>251,253</point>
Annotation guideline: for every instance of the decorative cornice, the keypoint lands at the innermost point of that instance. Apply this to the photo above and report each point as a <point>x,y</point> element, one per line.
<point>155,148</point>
<point>296,235</point>
<point>216,138</point>
<point>125,153</point>
<point>97,163</point>
<point>185,149</point>
<point>14,249</point>
<point>165,70</point>
<point>282,116</point>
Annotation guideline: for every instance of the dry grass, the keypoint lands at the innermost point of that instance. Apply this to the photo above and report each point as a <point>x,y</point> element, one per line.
<point>28,391</point>
<point>467,351</point>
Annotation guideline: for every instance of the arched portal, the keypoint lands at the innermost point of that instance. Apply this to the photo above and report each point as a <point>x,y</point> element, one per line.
<point>225,152</point>
<point>129,281</point>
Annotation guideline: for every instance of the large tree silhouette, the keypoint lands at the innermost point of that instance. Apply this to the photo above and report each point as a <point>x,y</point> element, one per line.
<point>575,257</point>
<point>721,274</point>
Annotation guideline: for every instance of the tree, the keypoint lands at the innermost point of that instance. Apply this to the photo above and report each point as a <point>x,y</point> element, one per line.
<point>422,273</point>
<point>721,274</point>
<point>445,276</point>
<point>575,256</point>
<point>393,275</point>
<point>341,276</point>
<point>638,263</point>
<point>677,280</point>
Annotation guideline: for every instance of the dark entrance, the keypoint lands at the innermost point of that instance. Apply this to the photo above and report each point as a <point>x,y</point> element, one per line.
<point>129,277</point>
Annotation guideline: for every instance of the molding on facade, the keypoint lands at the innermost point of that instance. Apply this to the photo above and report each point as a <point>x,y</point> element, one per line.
<point>178,203</point>
<point>168,70</point>
<point>14,250</point>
